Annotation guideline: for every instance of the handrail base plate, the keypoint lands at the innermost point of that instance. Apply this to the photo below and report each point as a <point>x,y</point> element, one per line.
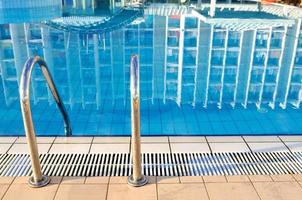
<point>137,183</point>
<point>32,183</point>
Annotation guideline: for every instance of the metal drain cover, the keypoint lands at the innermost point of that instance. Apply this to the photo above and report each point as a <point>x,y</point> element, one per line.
<point>156,164</point>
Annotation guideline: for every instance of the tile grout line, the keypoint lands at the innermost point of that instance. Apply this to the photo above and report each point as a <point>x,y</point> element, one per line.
<point>156,185</point>
<point>252,183</point>
<point>107,190</point>
<point>169,142</point>
<point>248,146</point>
<point>90,145</point>
<point>211,151</point>
<point>205,187</point>
<point>299,183</point>
<point>9,185</point>
<point>59,185</point>
<point>12,144</point>
<point>285,145</point>
<point>51,145</point>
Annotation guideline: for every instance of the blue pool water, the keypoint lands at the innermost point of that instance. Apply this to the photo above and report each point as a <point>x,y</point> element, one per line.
<point>199,75</point>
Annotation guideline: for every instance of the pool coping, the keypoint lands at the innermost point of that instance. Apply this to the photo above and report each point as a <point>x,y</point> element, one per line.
<point>156,144</point>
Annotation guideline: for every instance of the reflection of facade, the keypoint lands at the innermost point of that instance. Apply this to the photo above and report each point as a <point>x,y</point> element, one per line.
<point>182,59</point>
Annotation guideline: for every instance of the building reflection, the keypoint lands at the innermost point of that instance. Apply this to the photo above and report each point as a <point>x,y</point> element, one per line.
<point>183,58</point>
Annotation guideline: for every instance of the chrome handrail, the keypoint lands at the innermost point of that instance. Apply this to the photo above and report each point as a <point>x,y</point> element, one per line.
<point>137,178</point>
<point>37,180</point>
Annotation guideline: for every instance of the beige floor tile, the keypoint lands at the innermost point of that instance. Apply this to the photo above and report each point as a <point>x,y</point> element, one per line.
<point>298,177</point>
<point>167,179</point>
<point>4,148</point>
<point>97,180</point>
<point>124,179</point>
<point>3,189</point>
<point>261,138</point>
<point>282,178</point>
<point>73,180</point>
<point>8,140</point>
<point>189,148</point>
<point>227,139</point>
<point>231,191</point>
<point>279,190</point>
<point>191,179</point>
<point>238,179</point>
<point>126,192</point>
<point>151,179</point>
<point>260,178</point>
<point>82,192</point>
<point>24,192</point>
<point>187,139</point>
<point>73,140</point>
<point>181,192</point>
<point>229,147</point>
<point>118,179</point>
<point>110,148</point>
<point>40,140</point>
<point>24,179</point>
<point>291,138</point>
<point>267,147</point>
<point>154,139</point>
<point>6,179</point>
<point>23,148</point>
<point>294,146</point>
<point>155,148</point>
<point>56,179</point>
<point>21,180</point>
<point>111,140</point>
<point>214,179</point>
<point>69,148</point>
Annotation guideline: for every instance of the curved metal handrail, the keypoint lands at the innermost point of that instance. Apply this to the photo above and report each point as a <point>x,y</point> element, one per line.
<point>38,180</point>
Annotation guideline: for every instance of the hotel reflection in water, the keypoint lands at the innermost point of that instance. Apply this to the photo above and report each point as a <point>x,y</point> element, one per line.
<point>185,57</point>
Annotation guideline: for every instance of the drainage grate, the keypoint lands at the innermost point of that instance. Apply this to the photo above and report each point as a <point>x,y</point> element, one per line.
<point>156,164</point>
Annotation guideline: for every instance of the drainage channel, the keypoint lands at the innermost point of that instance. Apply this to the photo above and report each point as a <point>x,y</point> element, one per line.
<point>156,164</point>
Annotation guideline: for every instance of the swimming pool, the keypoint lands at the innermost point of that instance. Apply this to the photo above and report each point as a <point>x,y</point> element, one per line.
<point>200,75</point>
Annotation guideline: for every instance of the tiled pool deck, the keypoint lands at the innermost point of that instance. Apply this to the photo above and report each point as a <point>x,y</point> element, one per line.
<point>178,144</point>
<point>264,187</point>
<point>285,187</point>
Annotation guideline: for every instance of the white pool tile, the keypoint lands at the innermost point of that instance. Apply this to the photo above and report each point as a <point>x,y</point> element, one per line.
<point>154,139</point>
<point>70,148</point>
<point>226,139</point>
<point>267,147</point>
<point>73,140</point>
<point>110,148</point>
<point>155,148</point>
<point>4,148</point>
<point>7,140</point>
<point>41,140</point>
<point>24,149</point>
<point>291,138</point>
<point>189,148</point>
<point>229,147</point>
<point>294,146</point>
<point>261,138</point>
<point>187,139</point>
<point>110,140</point>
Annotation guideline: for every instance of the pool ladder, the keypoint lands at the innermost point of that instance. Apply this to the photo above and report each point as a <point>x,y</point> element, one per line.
<point>37,180</point>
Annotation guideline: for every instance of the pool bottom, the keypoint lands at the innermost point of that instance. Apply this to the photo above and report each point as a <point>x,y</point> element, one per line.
<point>157,118</point>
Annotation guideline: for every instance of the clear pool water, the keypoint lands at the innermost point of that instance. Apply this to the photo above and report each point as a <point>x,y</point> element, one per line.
<point>200,75</point>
